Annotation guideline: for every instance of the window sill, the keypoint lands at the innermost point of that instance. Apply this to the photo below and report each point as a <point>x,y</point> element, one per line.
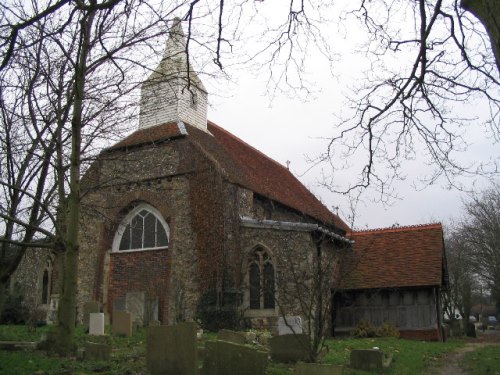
<point>138,250</point>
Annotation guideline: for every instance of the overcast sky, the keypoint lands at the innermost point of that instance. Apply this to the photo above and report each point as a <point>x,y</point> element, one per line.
<point>288,129</point>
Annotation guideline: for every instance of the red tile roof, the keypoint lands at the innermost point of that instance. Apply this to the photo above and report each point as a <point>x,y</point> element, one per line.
<point>243,165</point>
<point>265,176</point>
<point>397,257</point>
<point>153,134</point>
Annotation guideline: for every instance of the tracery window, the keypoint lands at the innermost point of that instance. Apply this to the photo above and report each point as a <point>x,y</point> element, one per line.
<point>46,283</point>
<point>142,229</point>
<point>261,280</point>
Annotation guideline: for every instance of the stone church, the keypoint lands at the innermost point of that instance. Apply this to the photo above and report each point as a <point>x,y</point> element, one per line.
<point>182,220</point>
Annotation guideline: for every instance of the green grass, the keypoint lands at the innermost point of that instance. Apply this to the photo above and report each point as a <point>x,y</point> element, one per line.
<point>484,360</point>
<point>128,355</point>
<point>409,357</point>
<point>21,333</point>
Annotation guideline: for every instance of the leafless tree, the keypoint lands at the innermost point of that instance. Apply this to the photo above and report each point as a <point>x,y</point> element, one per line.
<point>480,231</point>
<point>462,278</point>
<point>427,60</point>
<point>306,283</point>
<point>96,43</point>
<point>67,80</point>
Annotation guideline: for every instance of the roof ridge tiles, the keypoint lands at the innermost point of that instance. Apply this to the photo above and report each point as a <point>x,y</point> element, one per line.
<point>435,225</point>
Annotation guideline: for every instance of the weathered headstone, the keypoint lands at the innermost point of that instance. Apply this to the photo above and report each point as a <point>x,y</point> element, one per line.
<point>226,358</point>
<point>317,369</point>
<point>289,348</point>
<point>232,336</point>
<point>97,351</point>
<point>135,302</point>
<point>172,349</point>
<point>369,359</point>
<point>96,324</point>
<point>122,323</point>
<point>54,306</point>
<point>289,324</point>
<point>88,308</point>
<point>154,323</point>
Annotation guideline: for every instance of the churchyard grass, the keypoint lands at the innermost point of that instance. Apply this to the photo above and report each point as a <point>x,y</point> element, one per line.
<point>484,360</point>
<point>128,355</point>
<point>409,357</point>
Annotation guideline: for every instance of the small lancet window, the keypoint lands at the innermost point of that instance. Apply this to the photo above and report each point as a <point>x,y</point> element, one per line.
<point>143,229</point>
<point>261,280</point>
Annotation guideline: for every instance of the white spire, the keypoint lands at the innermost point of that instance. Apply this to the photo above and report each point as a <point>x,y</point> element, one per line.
<point>173,92</point>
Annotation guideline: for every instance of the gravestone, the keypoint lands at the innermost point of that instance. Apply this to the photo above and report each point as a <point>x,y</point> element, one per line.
<point>96,324</point>
<point>232,336</point>
<point>317,369</point>
<point>226,358</point>
<point>289,348</point>
<point>88,308</point>
<point>369,359</point>
<point>97,351</point>
<point>135,303</point>
<point>289,324</point>
<point>54,306</point>
<point>172,349</point>
<point>122,323</point>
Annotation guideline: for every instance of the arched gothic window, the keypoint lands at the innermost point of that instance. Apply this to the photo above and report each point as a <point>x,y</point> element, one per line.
<point>261,280</point>
<point>142,229</point>
<point>46,282</point>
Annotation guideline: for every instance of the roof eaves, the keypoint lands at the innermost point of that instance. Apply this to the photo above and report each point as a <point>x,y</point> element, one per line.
<point>291,226</point>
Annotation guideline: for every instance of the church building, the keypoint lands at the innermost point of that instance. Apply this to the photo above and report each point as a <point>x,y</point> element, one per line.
<point>182,220</point>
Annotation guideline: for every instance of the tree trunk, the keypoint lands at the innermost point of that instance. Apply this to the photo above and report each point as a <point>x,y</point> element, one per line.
<point>67,304</point>
<point>488,12</point>
<point>3,296</point>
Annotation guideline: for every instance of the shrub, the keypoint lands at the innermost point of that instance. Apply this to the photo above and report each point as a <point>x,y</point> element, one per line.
<point>388,330</point>
<point>14,310</point>
<point>366,329</point>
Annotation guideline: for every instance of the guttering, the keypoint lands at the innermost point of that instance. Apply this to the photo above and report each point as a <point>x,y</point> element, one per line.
<point>248,222</point>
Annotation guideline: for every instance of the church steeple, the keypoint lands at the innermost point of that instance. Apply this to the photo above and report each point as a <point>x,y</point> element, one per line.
<point>173,92</point>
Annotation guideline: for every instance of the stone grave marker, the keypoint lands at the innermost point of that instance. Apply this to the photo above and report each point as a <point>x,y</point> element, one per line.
<point>97,351</point>
<point>96,324</point>
<point>289,324</point>
<point>289,348</point>
<point>88,308</point>
<point>317,369</point>
<point>369,359</point>
<point>135,303</point>
<point>172,349</point>
<point>122,323</point>
<point>226,358</point>
<point>232,336</point>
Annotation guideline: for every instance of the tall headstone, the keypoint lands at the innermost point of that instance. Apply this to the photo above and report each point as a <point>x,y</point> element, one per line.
<point>290,348</point>
<point>226,358</point>
<point>289,324</point>
<point>135,302</point>
<point>96,324</point>
<point>122,323</point>
<point>88,308</point>
<point>172,349</point>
